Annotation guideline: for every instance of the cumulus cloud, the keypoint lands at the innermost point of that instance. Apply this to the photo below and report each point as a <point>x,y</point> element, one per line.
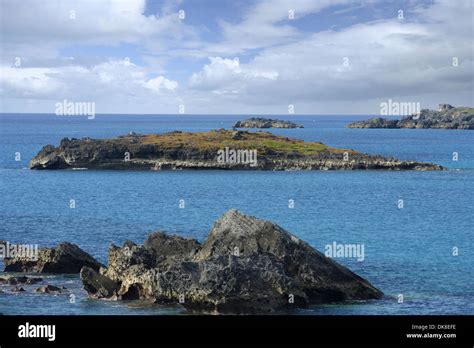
<point>367,62</point>
<point>159,83</point>
<point>113,82</point>
<point>33,82</point>
<point>223,76</point>
<point>33,28</point>
<point>345,70</point>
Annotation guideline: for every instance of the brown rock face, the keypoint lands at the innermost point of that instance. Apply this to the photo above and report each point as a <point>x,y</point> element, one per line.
<point>246,265</point>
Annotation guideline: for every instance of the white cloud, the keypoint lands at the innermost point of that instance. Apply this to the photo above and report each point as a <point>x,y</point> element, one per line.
<point>159,83</point>
<point>111,85</point>
<point>31,82</point>
<point>32,29</point>
<point>267,24</point>
<point>223,76</point>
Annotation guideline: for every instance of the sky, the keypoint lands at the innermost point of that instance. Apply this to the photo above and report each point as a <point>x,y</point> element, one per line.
<point>235,56</point>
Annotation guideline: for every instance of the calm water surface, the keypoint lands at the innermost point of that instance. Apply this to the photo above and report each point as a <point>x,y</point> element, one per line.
<point>408,251</point>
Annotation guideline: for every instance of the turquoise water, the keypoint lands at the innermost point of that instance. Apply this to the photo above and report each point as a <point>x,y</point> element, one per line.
<point>407,251</point>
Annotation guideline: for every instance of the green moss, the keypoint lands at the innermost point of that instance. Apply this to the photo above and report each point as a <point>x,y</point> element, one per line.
<point>299,147</point>
<point>466,110</point>
<point>214,140</point>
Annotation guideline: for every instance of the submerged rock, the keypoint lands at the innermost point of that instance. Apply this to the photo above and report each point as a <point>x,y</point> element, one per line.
<point>49,289</point>
<point>260,122</point>
<point>245,265</point>
<point>18,289</point>
<point>13,280</point>
<point>31,281</point>
<point>65,258</point>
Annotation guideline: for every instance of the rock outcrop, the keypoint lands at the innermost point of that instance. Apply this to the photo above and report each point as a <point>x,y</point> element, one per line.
<point>259,122</point>
<point>65,258</point>
<point>14,280</point>
<point>376,122</point>
<point>446,117</point>
<point>221,149</point>
<point>245,265</point>
<point>49,289</point>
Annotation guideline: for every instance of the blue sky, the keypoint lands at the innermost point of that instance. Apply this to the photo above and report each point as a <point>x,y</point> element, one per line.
<point>227,57</point>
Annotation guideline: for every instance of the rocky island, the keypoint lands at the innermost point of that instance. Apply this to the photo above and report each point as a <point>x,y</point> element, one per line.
<point>245,265</point>
<point>446,117</point>
<point>260,122</point>
<point>217,149</point>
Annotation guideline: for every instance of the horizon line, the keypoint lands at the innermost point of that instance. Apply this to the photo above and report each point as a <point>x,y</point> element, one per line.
<point>187,114</point>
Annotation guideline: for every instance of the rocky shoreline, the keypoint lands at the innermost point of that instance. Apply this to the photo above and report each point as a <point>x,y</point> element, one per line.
<point>259,122</point>
<point>64,259</point>
<point>245,265</point>
<point>446,117</point>
<point>201,150</point>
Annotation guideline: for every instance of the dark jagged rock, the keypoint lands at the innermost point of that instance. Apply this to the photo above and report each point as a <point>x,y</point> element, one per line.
<point>31,281</point>
<point>18,289</point>
<point>237,135</point>
<point>16,280</point>
<point>49,289</point>
<point>245,265</point>
<point>200,150</point>
<point>259,122</point>
<point>65,258</point>
<point>377,122</point>
<point>446,117</point>
<point>12,280</point>
<point>98,285</point>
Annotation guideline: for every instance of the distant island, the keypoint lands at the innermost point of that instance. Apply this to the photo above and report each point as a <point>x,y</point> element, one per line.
<point>446,117</point>
<point>217,149</point>
<point>265,123</point>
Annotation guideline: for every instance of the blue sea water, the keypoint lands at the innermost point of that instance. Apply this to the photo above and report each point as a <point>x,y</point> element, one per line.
<point>408,251</point>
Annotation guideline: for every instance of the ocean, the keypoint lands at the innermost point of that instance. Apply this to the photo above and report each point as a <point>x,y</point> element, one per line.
<point>408,250</point>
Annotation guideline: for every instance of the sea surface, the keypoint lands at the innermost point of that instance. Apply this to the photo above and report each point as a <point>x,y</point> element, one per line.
<point>408,251</point>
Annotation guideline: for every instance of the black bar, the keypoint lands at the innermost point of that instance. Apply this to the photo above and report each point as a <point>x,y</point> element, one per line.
<point>221,330</point>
